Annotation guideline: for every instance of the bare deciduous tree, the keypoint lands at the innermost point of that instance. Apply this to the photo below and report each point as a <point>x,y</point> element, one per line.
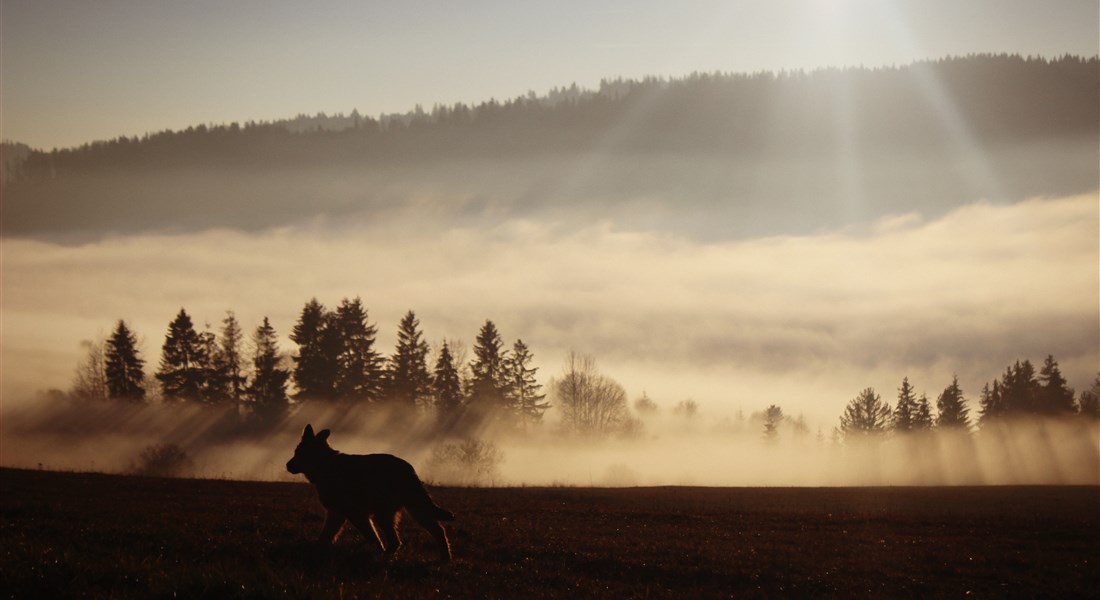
<point>591,403</point>
<point>686,408</point>
<point>90,381</point>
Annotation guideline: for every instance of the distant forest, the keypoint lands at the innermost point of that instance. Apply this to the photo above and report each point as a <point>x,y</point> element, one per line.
<point>185,179</point>
<point>1000,98</point>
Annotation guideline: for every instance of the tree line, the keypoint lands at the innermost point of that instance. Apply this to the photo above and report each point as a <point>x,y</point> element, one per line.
<point>1019,394</point>
<point>337,361</point>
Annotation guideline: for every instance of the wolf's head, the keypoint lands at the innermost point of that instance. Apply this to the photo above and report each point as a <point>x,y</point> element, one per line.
<point>311,451</point>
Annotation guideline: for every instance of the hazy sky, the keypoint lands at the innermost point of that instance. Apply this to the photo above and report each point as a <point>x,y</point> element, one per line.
<point>79,71</point>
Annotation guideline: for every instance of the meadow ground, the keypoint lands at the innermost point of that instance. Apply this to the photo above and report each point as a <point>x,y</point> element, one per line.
<point>72,534</point>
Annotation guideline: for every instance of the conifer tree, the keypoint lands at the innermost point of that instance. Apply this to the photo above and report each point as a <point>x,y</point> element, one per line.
<point>318,347</point>
<point>1055,396</point>
<point>123,368</point>
<point>447,389</point>
<point>267,391</point>
<point>182,373</point>
<point>522,389</point>
<point>645,405</point>
<point>953,413</point>
<point>799,427</point>
<point>865,417</point>
<point>1020,389</point>
<point>215,384</point>
<point>990,404</point>
<point>906,409</point>
<point>923,420</point>
<point>488,383</point>
<point>1088,404</point>
<point>230,362</point>
<point>409,382</point>
<point>773,416</point>
<point>359,373</point>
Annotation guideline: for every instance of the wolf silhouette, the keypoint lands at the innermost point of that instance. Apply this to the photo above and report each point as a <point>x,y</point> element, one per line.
<point>368,490</point>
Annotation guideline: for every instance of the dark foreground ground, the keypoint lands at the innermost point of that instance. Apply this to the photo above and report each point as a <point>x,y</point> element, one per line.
<point>69,535</point>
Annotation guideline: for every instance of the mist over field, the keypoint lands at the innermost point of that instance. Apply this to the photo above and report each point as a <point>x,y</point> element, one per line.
<point>725,452</point>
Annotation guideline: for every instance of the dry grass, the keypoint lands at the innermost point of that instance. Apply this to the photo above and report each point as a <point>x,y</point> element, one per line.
<point>67,535</point>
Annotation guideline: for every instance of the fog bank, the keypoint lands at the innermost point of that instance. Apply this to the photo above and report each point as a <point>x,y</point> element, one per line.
<point>669,450</point>
<point>804,322</point>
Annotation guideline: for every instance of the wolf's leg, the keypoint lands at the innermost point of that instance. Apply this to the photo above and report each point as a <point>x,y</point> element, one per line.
<point>365,524</point>
<point>386,524</point>
<point>334,523</point>
<point>427,520</point>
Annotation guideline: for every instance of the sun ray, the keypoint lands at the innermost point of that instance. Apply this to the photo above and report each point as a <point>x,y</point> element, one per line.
<point>972,158</point>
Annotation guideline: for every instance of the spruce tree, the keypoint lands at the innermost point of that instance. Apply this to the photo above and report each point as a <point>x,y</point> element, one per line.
<point>1020,389</point>
<point>522,389</point>
<point>923,421</point>
<point>488,383</point>
<point>230,362</point>
<point>267,391</point>
<point>123,367</point>
<point>447,389</point>
<point>1088,404</point>
<point>865,417</point>
<point>645,405</point>
<point>182,373</point>
<point>318,347</point>
<point>215,383</point>
<point>954,415</point>
<point>1055,397</point>
<point>799,427</point>
<point>773,416</point>
<point>359,373</point>
<point>409,382</point>
<point>990,404</point>
<point>906,409</point>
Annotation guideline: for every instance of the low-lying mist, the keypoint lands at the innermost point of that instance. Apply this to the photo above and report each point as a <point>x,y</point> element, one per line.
<point>669,449</point>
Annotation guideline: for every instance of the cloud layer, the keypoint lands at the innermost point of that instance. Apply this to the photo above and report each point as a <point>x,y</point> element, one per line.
<point>801,321</point>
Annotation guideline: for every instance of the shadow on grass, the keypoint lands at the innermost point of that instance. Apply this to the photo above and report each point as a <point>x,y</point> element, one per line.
<point>350,561</point>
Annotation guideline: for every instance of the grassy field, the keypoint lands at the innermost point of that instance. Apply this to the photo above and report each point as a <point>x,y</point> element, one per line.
<point>70,534</point>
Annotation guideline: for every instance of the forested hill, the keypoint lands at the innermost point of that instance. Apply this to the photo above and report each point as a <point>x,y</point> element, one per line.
<point>999,98</point>
<point>762,121</point>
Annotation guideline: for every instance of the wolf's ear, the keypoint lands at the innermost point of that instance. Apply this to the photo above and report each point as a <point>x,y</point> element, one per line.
<point>308,433</point>
<point>323,435</point>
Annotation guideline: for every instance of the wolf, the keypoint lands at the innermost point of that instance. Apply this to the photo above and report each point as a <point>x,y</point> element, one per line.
<point>368,490</point>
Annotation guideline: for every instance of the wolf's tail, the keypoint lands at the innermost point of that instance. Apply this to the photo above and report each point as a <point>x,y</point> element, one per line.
<point>428,506</point>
